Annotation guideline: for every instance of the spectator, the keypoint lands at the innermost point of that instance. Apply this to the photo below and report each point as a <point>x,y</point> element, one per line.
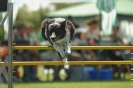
<point>75,73</point>
<point>91,34</point>
<point>21,39</point>
<point>116,39</point>
<point>91,37</point>
<point>33,54</point>
<point>3,56</point>
<point>116,55</point>
<point>3,52</point>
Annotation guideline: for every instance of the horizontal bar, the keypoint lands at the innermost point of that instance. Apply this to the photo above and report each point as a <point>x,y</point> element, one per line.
<point>75,47</point>
<point>70,62</point>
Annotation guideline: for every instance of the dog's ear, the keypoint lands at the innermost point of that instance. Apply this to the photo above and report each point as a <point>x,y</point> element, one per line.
<point>44,23</point>
<point>44,26</point>
<point>63,23</point>
<point>70,27</point>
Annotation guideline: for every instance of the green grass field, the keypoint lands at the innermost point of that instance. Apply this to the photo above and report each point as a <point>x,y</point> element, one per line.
<point>72,84</point>
<point>89,84</point>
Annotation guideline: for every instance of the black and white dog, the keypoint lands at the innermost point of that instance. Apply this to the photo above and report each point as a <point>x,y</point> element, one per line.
<point>59,32</point>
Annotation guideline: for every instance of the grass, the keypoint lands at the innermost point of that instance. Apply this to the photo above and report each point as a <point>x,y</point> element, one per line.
<point>89,84</point>
<point>72,84</point>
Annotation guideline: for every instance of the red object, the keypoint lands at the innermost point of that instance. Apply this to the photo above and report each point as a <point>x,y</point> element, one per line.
<point>131,51</point>
<point>17,73</point>
<point>4,51</point>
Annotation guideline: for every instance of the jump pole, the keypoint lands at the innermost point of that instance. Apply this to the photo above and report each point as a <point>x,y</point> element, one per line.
<point>74,47</point>
<point>29,63</point>
<point>10,57</point>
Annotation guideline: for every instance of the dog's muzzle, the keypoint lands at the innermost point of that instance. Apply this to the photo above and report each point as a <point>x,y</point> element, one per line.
<point>53,37</point>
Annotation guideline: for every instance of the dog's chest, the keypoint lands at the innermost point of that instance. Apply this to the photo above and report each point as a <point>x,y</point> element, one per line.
<point>64,40</point>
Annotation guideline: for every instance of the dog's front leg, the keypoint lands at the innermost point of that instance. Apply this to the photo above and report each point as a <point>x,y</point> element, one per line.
<point>61,52</point>
<point>67,48</point>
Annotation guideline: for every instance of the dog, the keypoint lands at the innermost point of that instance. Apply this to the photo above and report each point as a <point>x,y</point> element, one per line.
<point>59,32</point>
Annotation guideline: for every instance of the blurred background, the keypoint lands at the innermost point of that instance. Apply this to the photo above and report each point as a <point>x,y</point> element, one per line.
<point>97,22</point>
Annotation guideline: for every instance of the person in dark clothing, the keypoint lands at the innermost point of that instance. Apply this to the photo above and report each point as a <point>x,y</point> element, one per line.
<point>20,55</point>
<point>115,55</point>
<point>21,37</point>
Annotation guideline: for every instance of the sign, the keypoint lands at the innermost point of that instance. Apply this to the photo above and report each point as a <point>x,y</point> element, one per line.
<point>106,5</point>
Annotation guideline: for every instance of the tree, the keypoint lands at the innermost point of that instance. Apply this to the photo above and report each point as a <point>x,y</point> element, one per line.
<point>1,29</point>
<point>35,17</point>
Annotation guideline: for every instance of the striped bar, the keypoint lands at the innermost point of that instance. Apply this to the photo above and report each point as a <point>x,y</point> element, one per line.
<point>75,47</point>
<point>70,62</point>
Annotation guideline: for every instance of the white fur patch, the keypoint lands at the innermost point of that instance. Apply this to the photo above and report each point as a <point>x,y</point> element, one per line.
<point>64,40</point>
<point>63,43</point>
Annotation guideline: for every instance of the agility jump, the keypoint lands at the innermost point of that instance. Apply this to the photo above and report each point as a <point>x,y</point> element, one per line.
<point>10,51</point>
<point>71,62</point>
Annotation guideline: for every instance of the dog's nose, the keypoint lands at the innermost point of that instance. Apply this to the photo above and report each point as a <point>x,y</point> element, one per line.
<point>53,35</point>
<point>52,38</point>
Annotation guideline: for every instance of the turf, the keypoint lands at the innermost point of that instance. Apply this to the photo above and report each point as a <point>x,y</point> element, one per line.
<point>89,84</point>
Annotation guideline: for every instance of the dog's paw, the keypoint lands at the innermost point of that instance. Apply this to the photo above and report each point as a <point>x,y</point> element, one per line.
<point>64,60</point>
<point>68,52</point>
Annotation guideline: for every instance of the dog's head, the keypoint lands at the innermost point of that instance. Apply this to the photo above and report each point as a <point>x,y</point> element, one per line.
<point>54,28</point>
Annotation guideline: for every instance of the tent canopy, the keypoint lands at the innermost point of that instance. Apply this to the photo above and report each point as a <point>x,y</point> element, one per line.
<point>88,9</point>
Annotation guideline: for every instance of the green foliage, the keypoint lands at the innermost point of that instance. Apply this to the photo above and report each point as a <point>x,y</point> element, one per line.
<point>1,34</point>
<point>0,16</point>
<point>1,29</point>
<point>64,5</point>
<point>35,17</point>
